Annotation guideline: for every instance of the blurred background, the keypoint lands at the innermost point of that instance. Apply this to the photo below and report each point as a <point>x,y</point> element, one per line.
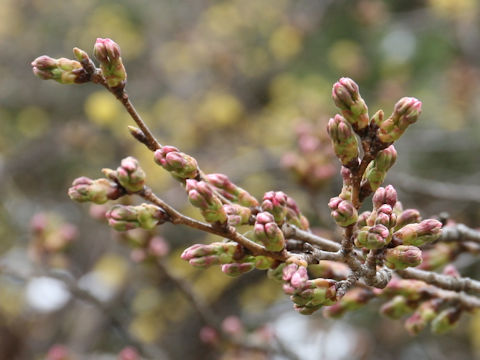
<point>243,86</point>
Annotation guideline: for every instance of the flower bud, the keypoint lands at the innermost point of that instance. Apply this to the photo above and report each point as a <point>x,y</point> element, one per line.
<point>276,274</point>
<point>344,141</point>
<point>98,191</point>
<point>418,234</point>
<point>377,169</point>
<point>180,165</point>
<point>268,233</point>
<point>231,191</point>
<point>409,216</point>
<point>201,196</point>
<point>129,353</point>
<point>237,269</point>
<point>305,309</point>
<point>405,112</point>
<point>439,255</point>
<point>343,211</point>
<point>237,214</point>
<point>64,71</point>
<point>446,321</point>
<point>374,237</point>
<point>201,255</point>
<point>158,247</point>
<point>425,313</point>
<point>107,53</point>
<point>363,219</point>
<point>263,262</point>
<point>352,300</point>
<point>385,216</point>
<point>128,217</point>
<point>396,308</point>
<point>347,98</point>
<point>386,195</point>
<point>403,256</point>
<point>130,175</point>
<point>411,289</point>
<point>275,202</point>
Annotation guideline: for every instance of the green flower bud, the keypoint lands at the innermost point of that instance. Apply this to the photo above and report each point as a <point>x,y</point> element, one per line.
<point>352,300</point>
<point>418,234</point>
<point>98,191</point>
<point>343,211</point>
<point>344,141</point>
<point>275,202</point>
<point>64,71</point>
<point>377,169</point>
<point>145,216</point>
<point>347,98</point>
<point>425,313</point>
<point>446,321</point>
<point>403,256</point>
<point>130,175</point>
<point>107,53</point>
<point>268,233</point>
<point>372,237</point>
<point>180,165</point>
<point>231,191</point>
<point>406,112</point>
<point>396,308</point>
<point>201,196</point>
<point>201,255</point>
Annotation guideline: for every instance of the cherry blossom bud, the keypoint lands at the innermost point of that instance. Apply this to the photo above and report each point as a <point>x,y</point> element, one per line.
<point>403,256</point>
<point>408,216</point>
<point>385,216</point>
<point>275,202</point>
<point>276,274</point>
<point>145,216</point>
<point>64,71</point>
<point>347,98</point>
<point>201,255</point>
<point>396,308</point>
<point>180,165</point>
<point>343,211</point>
<point>263,262</point>
<point>98,191</point>
<point>344,141</point>
<point>129,353</point>
<point>374,237</point>
<point>237,214</point>
<point>352,300</point>
<point>405,112</point>
<point>232,326</point>
<point>386,195</point>
<point>363,219</point>
<point>377,169</point>
<point>201,196</point>
<point>439,255</point>
<point>107,53</point>
<point>268,233</point>
<point>158,247</point>
<point>237,269</point>
<point>425,313</point>
<point>231,191</point>
<point>130,175</point>
<point>446,321</point>
<point>418,234</point>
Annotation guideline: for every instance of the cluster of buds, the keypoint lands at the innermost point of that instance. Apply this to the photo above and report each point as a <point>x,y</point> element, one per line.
<point>201,255</point>
<point>107,52</point>
<point>179,164</point>
<point>268,232</point>
<point>345,143</point>
<point>307,295</point>
<point>128,217</point>
<point>98,191</point>
<point>202,196</point>
<point>130,175</point>
<point>237,214</point>
<point>343,211</point>
<point>347,98</point>
<point>312,164</point>
<point>405,112</point>
<point>64,71</point>
<point>51,236</point>
<point>230,191</point>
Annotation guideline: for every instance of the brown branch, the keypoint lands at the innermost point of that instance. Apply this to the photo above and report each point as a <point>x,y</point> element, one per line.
<point>459,232</point>
<point>228,232</point>
<point>442,281</point>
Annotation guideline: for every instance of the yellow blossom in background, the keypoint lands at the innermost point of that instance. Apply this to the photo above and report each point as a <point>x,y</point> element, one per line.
<point>285,42</point>
<point>219,108</point>
<point>32,121</point>
<point>346,58</point>
<point>458,9</point>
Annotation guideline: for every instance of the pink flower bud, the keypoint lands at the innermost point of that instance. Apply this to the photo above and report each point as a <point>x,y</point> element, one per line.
<point>374,237</point>
<point>129,353</point>
<point>403,256</point>
<point>347,98</point>
<point>343,211</point>
<point>387,195</point>
<point>130,175</point>
<point>107,53</point>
